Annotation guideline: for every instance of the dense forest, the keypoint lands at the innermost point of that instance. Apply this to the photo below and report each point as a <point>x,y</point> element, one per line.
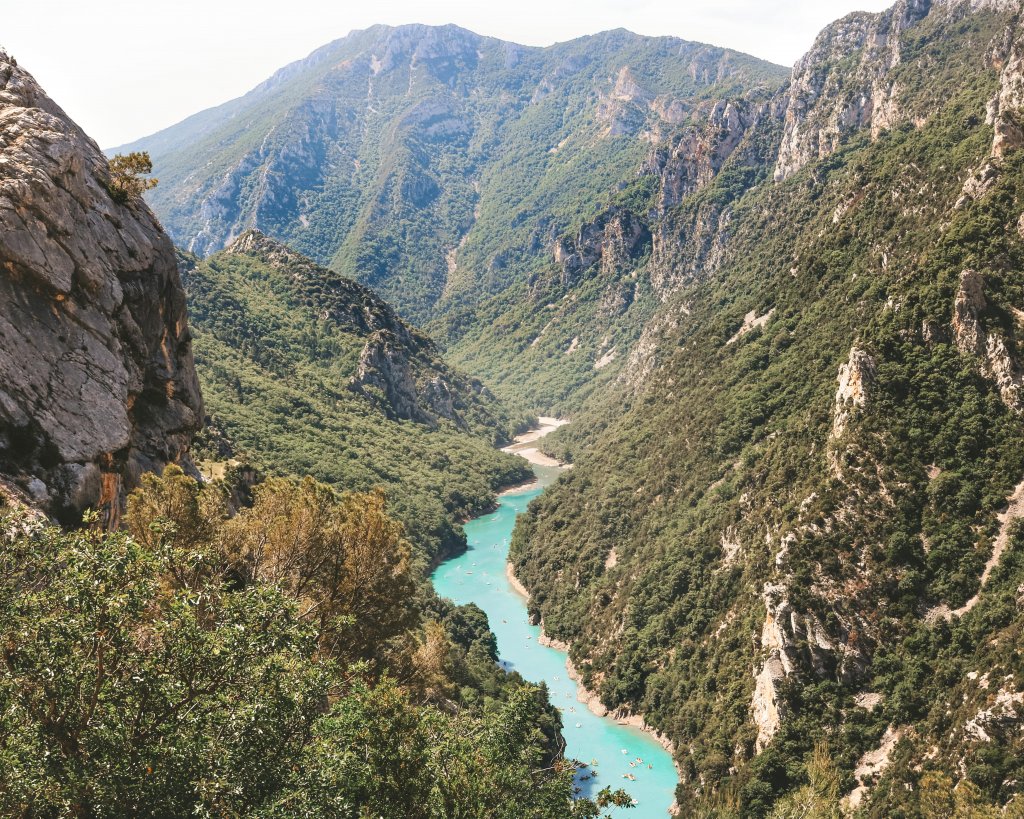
<point>786,318</point>
<point>820,456</point>
<point>440,167</point>
<point>286,660</point>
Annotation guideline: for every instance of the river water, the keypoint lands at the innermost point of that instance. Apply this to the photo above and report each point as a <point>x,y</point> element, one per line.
<point>617,751</point>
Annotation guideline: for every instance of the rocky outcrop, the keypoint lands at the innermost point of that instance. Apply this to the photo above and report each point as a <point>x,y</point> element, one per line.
<point>387,375</point>
<point>826,106</point>
<point>681,247</point>
<point>612,243</point>
<point>995,359</point>
<point>855,377</point>
<point>692,158</point>
<point>1006,109</point>
<point>399,370</point>
<point>97,382</point>
<point>689,245</point>
<point>625,109</point>
<point>399,373</point>
<point>793,642</point>
<point>1002,716</point>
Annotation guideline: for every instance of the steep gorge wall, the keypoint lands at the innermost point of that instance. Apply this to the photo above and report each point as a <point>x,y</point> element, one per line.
<point>777,536</point>
<point>97,382</point>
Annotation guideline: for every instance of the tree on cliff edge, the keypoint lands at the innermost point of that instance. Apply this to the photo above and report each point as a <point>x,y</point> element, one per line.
<point>127,178</point>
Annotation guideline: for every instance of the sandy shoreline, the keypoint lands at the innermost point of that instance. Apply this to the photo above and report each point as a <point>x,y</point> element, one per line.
<point>519,487</point>
<point>583,694</point>
<point>524,445</point>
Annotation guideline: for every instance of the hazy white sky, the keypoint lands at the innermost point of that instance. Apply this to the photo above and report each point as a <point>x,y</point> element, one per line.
<point>125,68</point>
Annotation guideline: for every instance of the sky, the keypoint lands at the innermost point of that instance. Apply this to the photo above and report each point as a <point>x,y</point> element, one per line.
<point>124,69</point>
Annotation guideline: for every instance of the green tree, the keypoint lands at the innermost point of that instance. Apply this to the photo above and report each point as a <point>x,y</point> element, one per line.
<point>120,696</point>
<point>342,557</point>
<point>171,514</point>
<point>127,175</point>
<point>819,798</point>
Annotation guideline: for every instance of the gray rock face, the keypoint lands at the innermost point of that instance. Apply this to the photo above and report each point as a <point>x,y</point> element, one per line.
<point>615,240</point>
<point>995,357</point>
<point>97,383</point>
<point>400,369</point>
<point>824,106</point>
<point>692,157</point>
<point>1005,109</point>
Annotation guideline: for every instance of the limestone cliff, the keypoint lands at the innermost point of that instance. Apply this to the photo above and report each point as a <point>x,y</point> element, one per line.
<point>97,382</point>
<point>872,91</point>
<point>806,467</point>
<point>995,356</point>
<point>613,242</point>
<point>825,106</point>
<point>1005,108</point>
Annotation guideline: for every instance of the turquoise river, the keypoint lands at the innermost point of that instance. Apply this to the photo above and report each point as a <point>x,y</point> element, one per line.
<point>623,756</point>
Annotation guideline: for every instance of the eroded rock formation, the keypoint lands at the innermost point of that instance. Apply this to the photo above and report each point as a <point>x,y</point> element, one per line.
<point>97,382</point>
<point>994,356</point>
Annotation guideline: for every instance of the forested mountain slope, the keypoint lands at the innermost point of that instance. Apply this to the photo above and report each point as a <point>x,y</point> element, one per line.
<point>792,518</point>
<point>444,169</point>
<point>787,321</point>
<point>309,373</point>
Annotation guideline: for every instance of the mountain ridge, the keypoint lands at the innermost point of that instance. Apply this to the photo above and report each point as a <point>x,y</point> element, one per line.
<point>384,157</point>
<point>786,319</point>
<point>310,373</point>
<point>775,539</point>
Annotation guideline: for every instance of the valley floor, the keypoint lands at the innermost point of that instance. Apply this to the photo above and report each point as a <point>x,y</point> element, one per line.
<point>525,444</point>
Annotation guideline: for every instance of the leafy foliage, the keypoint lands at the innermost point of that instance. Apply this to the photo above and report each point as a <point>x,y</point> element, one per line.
<point>725,470</point>
<point>278,340</point>
<point>126,180</point>
<point>204,665</point>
